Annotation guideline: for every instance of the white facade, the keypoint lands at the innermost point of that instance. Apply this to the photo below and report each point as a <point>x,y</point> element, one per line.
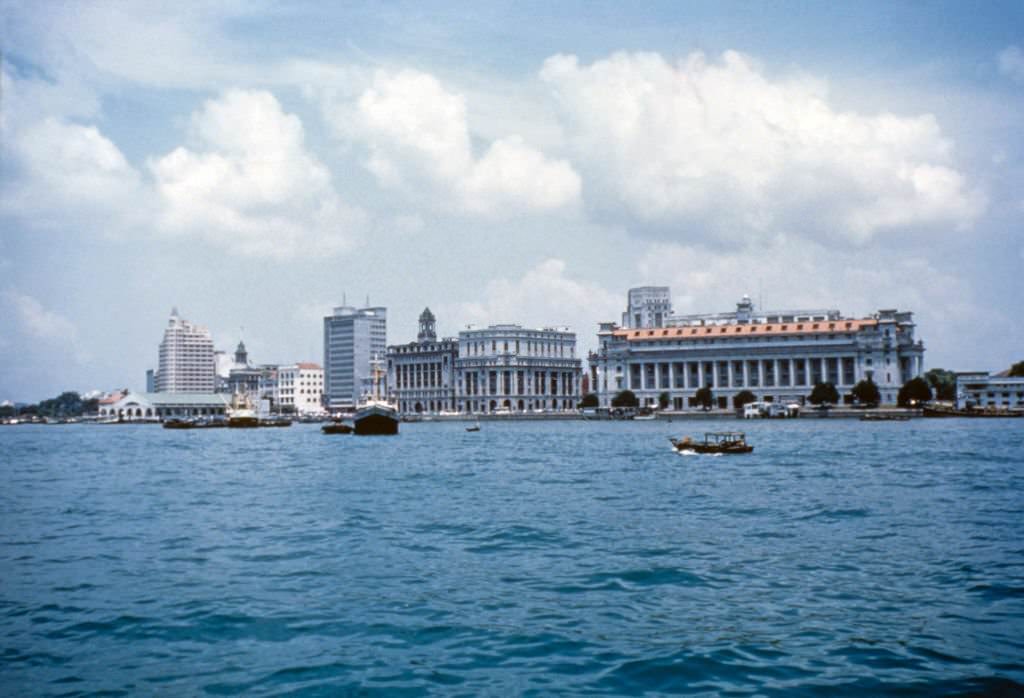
<point>352,339</point>
<point>509,368</point>
<point>979,389</point>
<point>152,407</point>
<point>186,358</point>
<point>777,355</point>
<point>647,306</point>
<point>300,387</point>
<point>421,374</point>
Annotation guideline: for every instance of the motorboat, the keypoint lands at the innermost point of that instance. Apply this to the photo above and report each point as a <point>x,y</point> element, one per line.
<point>725,442</point>
<point>475,427</point>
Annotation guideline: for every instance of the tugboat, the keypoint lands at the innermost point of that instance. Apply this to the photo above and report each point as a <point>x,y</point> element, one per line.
<point>726,442</point>
<point>375,416</point>
<point>241,415</point>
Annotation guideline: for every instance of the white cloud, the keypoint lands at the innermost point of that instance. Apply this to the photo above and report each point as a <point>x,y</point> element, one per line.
<point>41,323</point>
<point>419,141</point>
<point>70,172</point>
<point>250,185</point>
<point>721,149</point>
<point>1011,63</point>
<point>544,296</point>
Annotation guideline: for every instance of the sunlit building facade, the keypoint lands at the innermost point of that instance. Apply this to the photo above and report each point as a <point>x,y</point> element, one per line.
<point>777,355</point>
<point>186,358</point>
<point>421,374</point>
<point>513,369</point>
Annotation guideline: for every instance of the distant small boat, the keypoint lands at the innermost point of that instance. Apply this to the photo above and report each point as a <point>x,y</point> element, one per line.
<point>884,417</point>
<point>936,411</point>
<point>276,422</point>
<point>475,427</point>
<point>726,442</point>
<point>338,427</point>
<point>179,424</point>
<point>650,416</point>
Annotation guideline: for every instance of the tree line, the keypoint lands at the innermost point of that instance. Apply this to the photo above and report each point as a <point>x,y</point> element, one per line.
<point>67,404</point>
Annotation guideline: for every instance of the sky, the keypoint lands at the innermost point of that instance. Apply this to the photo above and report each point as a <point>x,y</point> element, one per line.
<point>254,164</point>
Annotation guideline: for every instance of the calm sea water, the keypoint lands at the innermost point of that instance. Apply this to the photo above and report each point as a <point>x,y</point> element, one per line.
<point>840,558</point>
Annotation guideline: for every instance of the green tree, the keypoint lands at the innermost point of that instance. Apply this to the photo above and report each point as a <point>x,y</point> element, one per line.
<point>942,382</point>
<point>589,400</point>
<point>914,391</point>
<point>824,393</point>
<point>626,398</point>
<point>704,397</point>
<point>6,411</point>
<point>1017,370</point>
<point>867,393</point>
<point>743,397</point>
<point>663,400</point>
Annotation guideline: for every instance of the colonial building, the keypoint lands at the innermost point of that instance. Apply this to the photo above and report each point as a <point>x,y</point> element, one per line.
<point>421,374</point>
<point>186,358</point>
<point>352,339</point>
<point>509,368</point>
<point>154,407</point>
<point>777,355</point>
<point>300,388</point>
<point>979,389</point>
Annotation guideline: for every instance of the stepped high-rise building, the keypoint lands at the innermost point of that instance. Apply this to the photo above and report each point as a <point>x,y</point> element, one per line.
<point>186,358</point>
<point>352,339</point>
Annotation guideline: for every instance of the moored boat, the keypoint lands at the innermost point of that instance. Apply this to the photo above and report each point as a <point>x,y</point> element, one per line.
<point>241,414</point>
<point>937,411</point>
<point>175,423</point>
<point>376,416</point>
<point>884,417</point>
<point>337,427</point>
<point>726,442</point>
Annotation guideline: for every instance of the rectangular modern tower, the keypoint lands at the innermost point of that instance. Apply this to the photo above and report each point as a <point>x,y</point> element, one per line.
<point>352,339</point>
<point>186,358</point>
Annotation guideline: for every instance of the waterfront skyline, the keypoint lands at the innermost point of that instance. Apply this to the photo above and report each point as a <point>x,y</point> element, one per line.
<point>250,164</point>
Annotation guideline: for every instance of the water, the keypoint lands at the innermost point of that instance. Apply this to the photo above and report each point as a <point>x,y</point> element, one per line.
<point>840,558</point>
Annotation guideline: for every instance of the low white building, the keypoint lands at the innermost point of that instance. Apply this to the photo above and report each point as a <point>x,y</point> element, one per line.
<point>980,389</point>
<point>300,387</point>
<point>155,407</point>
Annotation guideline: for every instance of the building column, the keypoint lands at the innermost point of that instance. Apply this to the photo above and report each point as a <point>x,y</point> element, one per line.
<point>671,376</point>
<point>732,378</point>
<point>700,374</point>
<point>775,370</point>
<point>760,374</point>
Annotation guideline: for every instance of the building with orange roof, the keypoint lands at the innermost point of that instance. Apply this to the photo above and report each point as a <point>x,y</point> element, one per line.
<point>779,355</point>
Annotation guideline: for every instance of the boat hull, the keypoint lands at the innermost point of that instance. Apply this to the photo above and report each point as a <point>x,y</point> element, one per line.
<point>974,413</point>
<point>243,422</point>
<point>376,420</point>
<point>336,428</point>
